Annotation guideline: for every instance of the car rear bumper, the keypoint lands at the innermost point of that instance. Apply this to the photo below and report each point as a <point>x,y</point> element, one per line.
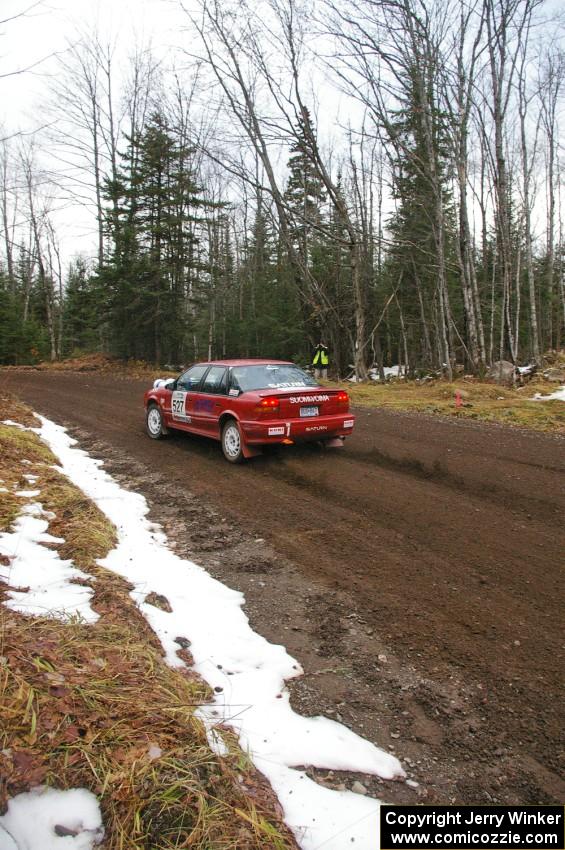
<point>298,430</point>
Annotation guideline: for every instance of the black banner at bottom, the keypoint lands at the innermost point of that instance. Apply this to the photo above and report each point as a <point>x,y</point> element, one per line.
<point>472,827</point>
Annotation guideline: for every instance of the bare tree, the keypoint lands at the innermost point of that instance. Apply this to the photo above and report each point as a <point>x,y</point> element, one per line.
<point>55,270</point>
<point>552,75</point>
<point>76,105</point>
<point>459,82</point>
<point>507,22</point>
<point>9,204</point>
<point>26,12</point>
<point>37,213</point>
<point>390,55</point>
<point>528,158</point>
<point>238,58</point>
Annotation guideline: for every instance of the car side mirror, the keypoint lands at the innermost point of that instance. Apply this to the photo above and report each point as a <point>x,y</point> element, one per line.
<point>161,382</point>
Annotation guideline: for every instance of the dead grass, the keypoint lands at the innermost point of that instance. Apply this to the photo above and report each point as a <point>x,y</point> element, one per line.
<point>95,706</point>
<point>17,446</point>
<point>99,363</point>
<point>84,707</point>
<point>480,400</point>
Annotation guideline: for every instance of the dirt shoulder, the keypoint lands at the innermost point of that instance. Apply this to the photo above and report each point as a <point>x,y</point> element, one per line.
<point>471,399</point>
<point>74,714</point>
<point>416,575</point>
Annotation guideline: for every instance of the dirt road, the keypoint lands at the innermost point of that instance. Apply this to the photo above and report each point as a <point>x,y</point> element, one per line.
<point>416,574</point>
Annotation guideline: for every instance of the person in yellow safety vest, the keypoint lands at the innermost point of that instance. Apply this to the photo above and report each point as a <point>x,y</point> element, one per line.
<point>320,361</point>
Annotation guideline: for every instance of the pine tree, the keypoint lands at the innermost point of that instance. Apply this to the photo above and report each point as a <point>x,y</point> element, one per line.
<point>154,262</point>
<point>23,335</point>
<point>10,322</point>
<point>265,316</point>
<point>304,196</point>
<point>82,311</point>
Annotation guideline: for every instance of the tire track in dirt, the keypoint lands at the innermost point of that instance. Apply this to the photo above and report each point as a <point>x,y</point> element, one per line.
<point>437,545</point>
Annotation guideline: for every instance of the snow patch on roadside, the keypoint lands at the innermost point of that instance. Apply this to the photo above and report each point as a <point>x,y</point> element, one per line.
<point>374,375</point>
<point>49,591</point>
<point>559,394</point>
<point>48,819</point>
<point>246,672</point>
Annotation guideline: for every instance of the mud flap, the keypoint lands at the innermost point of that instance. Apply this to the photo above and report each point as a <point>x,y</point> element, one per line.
<point>250,451</point>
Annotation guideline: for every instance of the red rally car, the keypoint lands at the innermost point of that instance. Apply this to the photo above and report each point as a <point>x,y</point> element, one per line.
<point>247,404</point>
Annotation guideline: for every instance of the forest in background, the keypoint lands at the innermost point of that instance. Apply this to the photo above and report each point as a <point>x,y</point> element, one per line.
<point>237,214</point>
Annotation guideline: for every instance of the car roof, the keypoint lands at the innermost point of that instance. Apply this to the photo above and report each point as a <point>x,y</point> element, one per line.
<point>245,362</point>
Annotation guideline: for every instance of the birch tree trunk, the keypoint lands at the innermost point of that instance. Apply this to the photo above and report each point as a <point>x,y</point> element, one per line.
<point>45,279</point>
<point>508,23</point>
<point>8,215</point>
<point>526,161</point>
<point>459,101</point>
<point>551,85</point>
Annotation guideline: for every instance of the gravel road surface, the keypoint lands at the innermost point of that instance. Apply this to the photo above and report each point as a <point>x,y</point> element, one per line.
<point>416,574</point>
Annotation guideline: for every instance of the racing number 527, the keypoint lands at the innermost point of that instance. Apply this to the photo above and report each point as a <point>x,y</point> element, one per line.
<point>178,403</point>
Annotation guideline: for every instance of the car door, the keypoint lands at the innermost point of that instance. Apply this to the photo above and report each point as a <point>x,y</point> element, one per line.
<point>211,400</point>
<point>184,395</point>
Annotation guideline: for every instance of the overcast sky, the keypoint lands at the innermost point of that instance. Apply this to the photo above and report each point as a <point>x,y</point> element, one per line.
<point>49,26</point>
<point>33,34</point>
<point>42,29</point>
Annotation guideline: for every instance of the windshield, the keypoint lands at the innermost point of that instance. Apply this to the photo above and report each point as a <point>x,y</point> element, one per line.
<point>270,376</point>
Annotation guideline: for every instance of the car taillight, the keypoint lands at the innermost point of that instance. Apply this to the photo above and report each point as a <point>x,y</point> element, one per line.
<point>270,404</point>
<point>342,398</point>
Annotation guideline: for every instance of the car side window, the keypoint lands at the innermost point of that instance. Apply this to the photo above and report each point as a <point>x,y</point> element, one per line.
<point>234,380</point>
<point>190,380</point>
<point>215,381</point>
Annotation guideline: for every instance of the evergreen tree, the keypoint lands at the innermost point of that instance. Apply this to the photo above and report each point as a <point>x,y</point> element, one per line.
<point>304,196</point>
<point>10,323</point>
<point>23,334</point>
<point>413,264</point>
<point>83,330</point>
<point>331,266</point>
<point>154,261</point>
<point>268,321</point>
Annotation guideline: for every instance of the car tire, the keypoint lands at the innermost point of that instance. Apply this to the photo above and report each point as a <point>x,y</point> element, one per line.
<point>154,424</point>
<point>232,442</point>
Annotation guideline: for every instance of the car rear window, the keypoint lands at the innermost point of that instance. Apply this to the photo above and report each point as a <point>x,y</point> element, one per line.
<point>270,376</point>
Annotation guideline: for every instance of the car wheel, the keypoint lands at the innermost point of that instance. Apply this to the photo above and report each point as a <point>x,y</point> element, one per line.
<point>154,422</point>
<point>232,442</point>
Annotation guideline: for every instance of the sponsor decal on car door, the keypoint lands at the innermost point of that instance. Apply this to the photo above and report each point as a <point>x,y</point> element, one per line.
<point>211,400</point>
